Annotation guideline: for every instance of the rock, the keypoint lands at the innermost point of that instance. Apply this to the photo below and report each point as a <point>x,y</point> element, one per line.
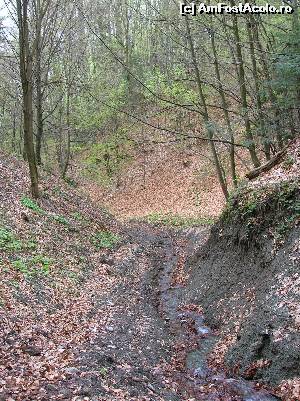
<point>72,371</point>
<point>202,372</point>
<point>32,350</point>
<point>219,377</point>
<point>203,330</point>
<point>110,329</point>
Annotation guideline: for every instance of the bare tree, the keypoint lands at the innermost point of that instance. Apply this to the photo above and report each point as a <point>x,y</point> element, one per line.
<point>26,79</point>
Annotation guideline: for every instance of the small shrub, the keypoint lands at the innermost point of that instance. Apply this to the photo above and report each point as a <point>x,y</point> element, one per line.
<point>105,239</point>
<point>103,371</point>
<point>30,204</point>
<point>8,240</point>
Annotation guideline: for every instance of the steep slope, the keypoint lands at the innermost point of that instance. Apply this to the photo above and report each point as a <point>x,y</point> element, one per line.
<point>77,320</point>
<point>247,279</point>
<point>164,179</point>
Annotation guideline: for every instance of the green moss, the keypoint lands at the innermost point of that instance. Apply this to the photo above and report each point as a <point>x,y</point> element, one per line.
<point>276,207</point>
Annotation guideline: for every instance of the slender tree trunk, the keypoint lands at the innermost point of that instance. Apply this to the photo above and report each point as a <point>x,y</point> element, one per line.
<point>26,78</point>
<point>272,95</point>
<point>225,107</point>
<point>14,132</point>
<point>243,91</point>
<point>68,139</point>
<point>38,82</point>
<point>266,144</point>
<point>208,125</point>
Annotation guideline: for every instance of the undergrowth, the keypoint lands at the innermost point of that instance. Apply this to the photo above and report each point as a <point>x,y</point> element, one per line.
<point>105,239</point>
<point>177,221</point>
<point>9,242</point>
<point>276,208</point>
<point>33,266</point>
<point>30,204</point>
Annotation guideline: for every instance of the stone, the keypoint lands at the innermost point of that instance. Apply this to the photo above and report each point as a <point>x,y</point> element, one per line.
<point>202,372</point>
<point>203,330</point>
<point>110,329</point>
<point>72,371</point>
<point>32,350</point>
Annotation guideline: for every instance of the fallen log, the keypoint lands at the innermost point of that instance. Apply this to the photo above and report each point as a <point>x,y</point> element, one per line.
<point>267,166</point>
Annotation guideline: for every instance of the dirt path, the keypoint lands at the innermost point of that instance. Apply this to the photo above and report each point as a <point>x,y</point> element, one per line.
<point>155,347</point>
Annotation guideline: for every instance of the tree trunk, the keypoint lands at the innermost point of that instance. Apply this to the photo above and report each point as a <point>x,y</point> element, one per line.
<point>266,143</point>
<point>38,82</point>
<point>225,107</point>
<point>68,144</point>
<point>26,78</point>
<point>243,91</point>
<point>272,95</point>
<point>205,114</point>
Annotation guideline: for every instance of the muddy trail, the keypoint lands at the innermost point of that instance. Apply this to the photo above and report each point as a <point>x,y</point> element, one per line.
<point>155,347</point>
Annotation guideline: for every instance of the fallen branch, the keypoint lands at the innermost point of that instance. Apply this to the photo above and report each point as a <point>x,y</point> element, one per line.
<point>267,166</point>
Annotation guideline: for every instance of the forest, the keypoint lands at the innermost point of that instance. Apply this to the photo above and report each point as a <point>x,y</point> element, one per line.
<point>149,200</point>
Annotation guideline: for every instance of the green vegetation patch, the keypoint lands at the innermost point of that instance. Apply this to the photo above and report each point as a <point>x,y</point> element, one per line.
<point>60,219</point>
<point>104,160</point>
<point>173,220</point>
<point>105,239</point>
<point>9,242</point>
<point>35,266</point>
<point>30,204</point>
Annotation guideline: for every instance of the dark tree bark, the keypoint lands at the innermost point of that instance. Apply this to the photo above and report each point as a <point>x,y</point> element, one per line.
<point>209,128</point>
<point>26,78</point>
<point>38,82</point>
<point>259,105</point>
<point>225,107</point>
<point>243,91</point>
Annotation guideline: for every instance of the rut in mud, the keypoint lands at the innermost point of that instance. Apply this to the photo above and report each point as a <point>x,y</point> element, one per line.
<point>155,347</point>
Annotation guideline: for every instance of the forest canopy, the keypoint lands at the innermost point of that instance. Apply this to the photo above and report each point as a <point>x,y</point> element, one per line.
<point>84,72</point>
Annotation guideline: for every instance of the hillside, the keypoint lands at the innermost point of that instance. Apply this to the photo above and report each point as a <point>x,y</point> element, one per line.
<point>246,277</point>
<point>165,179</point>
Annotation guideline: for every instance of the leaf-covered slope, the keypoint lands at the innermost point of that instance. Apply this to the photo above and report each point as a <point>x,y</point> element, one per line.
<point>52,263</point>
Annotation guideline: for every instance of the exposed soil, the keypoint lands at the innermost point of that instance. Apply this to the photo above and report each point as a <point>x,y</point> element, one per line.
<point>154,346</point>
